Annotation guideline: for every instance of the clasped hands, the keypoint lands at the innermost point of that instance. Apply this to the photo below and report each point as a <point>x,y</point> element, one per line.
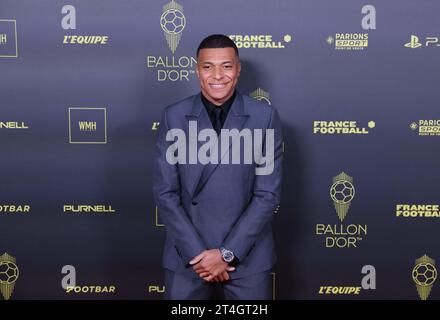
<point>210,266</point>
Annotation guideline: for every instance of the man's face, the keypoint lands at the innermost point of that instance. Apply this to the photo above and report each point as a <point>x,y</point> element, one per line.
<point>218,71</point>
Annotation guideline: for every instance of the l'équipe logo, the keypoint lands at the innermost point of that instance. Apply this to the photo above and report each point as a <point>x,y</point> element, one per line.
<point>368,282</point>
<point>342,193</point>
<point>172,68</point>
<point>68,22</point>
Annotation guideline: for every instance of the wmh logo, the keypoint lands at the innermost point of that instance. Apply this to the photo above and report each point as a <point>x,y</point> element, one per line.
<point>87,125</point>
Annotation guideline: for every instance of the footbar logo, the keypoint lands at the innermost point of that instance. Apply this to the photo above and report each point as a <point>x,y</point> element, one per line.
<point>69,284</point>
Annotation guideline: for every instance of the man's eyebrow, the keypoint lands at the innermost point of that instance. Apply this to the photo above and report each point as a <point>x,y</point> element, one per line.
<point>223,62</point>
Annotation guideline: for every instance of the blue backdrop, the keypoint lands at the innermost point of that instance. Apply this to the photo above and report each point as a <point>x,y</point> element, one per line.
<point>82,88</point>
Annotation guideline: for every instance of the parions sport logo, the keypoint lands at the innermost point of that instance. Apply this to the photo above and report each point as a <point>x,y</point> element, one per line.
<point>426,127</point>
<point>172,68</point>
<point>348,41</point>
<point>351,41</point>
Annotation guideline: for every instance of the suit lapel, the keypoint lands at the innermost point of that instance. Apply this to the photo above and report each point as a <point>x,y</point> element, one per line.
<point>198,113</point>
<point>236,119</point>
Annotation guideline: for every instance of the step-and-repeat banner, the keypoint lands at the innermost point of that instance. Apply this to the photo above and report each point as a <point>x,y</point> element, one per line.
<point>83,85</point>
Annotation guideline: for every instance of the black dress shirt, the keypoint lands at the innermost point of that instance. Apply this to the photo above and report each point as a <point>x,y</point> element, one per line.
<point>223,110</point>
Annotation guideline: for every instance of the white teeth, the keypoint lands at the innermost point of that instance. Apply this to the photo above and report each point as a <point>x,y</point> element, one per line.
<point>218,85</point>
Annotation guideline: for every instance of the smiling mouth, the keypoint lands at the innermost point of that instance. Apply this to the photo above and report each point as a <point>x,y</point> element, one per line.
<point>218,85</point>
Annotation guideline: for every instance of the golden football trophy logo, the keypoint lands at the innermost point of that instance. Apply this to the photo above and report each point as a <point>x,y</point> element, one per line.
<point>8,275</point>
<point>173,22</point>
<point>342,192</point>
<point>424,275</point>
<point>261,95</point>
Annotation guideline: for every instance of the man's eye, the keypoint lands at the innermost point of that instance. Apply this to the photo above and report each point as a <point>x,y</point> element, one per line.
<point>228,67</point>
<point>207,67</point>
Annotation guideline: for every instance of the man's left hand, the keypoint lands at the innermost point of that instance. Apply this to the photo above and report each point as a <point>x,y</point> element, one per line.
<point>209,265</point>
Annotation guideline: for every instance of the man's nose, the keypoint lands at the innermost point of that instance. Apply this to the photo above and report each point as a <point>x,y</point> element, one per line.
<point>218,73</point>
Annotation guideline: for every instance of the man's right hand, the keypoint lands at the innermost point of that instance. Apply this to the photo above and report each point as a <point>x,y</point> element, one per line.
<point>222,277</point>
<point>207,267</point>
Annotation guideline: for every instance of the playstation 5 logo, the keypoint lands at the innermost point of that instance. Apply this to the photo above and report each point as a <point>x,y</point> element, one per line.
<point>429,41</point>
<point>414,42</point>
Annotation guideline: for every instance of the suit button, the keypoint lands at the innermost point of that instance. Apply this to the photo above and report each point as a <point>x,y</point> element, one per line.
<point>194,203</point>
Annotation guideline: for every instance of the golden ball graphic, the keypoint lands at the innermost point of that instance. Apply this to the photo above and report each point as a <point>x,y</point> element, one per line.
<point>172,21</point>
<point>8,272</point>
<point>424,274</point>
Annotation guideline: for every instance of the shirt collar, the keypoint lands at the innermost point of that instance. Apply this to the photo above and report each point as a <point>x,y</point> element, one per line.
<point>225,106</point>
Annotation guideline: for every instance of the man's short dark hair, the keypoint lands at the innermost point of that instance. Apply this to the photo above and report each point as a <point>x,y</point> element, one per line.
<point>217,41</point>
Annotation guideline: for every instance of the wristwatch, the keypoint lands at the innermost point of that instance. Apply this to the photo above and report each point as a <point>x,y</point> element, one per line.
<point>227,255</point>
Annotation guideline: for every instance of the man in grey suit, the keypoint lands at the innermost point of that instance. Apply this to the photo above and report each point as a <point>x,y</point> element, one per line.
<point>218,211</point>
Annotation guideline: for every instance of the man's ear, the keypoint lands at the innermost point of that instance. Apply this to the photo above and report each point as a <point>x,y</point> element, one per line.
<point>197,71</point>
